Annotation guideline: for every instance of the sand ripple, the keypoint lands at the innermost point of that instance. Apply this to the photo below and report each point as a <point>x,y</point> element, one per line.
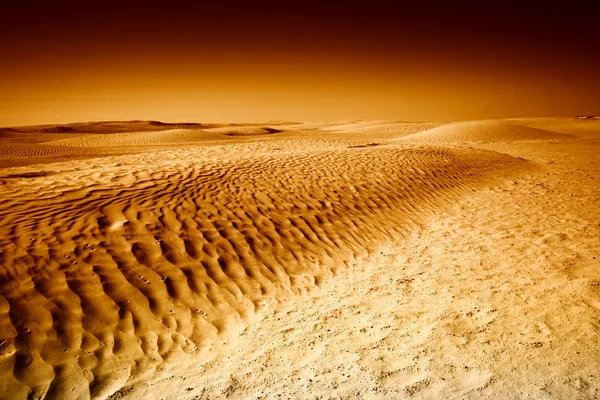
<point>112,267</point>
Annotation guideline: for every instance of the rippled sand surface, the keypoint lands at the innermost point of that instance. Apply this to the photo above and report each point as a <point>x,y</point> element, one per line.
<point>357,260</point>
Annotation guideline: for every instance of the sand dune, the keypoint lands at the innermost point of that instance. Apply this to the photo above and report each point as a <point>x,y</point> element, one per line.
<point>47,143</point>
<point>22,154</point>
<point>10,137</point>
<point>144,138</point>
<point>109,272</point>
<point>482,131</point>
<point>119,273</point>
<point>587,128</point>
<point>106,127</point>
<point>17,150</point>
<point>244,130</point>
<point>361,129</point>
<point>383,127</point>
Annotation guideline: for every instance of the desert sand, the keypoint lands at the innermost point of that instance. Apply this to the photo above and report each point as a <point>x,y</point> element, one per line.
<point>342,260</point>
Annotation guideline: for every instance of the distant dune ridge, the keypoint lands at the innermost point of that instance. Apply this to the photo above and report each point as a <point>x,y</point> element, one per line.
<point>144,138</point>
<point>107,127</point>
<point>484,132</point>
<point>381,127</point>
<point>154,244</point>
<point>63,142</point>
<point>244,130</point>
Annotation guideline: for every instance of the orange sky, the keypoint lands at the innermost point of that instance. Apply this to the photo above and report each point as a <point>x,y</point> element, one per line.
<point>66,62</point>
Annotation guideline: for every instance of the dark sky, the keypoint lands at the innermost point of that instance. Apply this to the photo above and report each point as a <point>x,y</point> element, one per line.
<point>224,61</point>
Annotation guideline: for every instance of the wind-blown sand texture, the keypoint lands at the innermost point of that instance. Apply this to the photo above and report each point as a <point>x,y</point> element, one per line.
<point>483,132</point>
<point>343,260</point>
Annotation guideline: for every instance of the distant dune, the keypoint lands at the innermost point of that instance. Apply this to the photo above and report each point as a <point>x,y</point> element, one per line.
<point>144,138</point>
<point>485,132</point>
<point>46,143</point>
<point>426,260</point>
<point>383,127</point>
<point>106,127</point>
<point>587,128</point>
<point>245,130</point>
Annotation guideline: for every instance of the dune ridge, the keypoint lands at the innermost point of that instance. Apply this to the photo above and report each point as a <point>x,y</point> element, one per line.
<point>52,143</point>
<point>42,144</point>
<point>244,130</point>
<point>483,132</point>
<point>383,127</point>
<point>105,127</point>
<point>142,138</point>
<point>586,128</point>
<point>107,273</point>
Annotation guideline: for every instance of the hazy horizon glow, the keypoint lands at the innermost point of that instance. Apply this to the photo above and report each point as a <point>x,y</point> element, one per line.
<point>63,62</point>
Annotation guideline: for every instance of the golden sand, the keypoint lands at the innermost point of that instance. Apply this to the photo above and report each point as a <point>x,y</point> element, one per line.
<point>335,260</point>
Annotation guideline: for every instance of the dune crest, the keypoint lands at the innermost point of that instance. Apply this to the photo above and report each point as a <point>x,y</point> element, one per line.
<point>383,127</point>
<point>482,132</point>
<point>104,127</point>
<point>244,130</point>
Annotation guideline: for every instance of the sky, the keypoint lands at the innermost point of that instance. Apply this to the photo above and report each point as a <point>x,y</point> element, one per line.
<point>66,61</point>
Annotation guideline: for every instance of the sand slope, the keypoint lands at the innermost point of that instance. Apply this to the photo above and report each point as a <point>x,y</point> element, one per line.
<point>587,128</point>
<point>494,298</point>
<point>52,143</point>
<point>482,131</point>
<point>244,130</point>
<point>143,138</point>
<point>382,127</point>
<point>387,266</point>
<point>112,269</point>
<point>105,127</point>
